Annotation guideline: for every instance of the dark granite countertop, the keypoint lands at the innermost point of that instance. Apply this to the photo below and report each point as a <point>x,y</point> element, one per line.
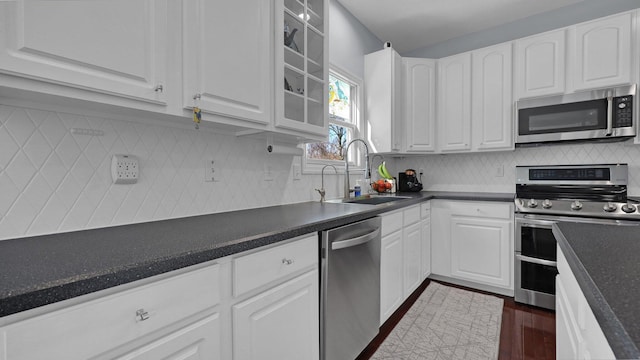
<point>41,270</point>
<point>604,260</point>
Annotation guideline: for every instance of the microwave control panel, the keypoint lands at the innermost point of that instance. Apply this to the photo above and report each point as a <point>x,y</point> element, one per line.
<point>622,111</point>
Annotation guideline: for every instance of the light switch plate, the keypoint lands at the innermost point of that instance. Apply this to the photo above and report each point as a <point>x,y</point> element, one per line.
<point>124,169</point>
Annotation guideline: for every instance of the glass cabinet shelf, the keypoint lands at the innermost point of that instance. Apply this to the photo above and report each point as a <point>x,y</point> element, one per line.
<point>301,59</point>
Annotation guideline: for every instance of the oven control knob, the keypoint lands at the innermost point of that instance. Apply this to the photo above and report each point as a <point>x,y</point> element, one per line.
<point>576,205</point>
<point>628,208</point>
<point>547,204</point>
<point>532,203</point>
<point>610,207</point>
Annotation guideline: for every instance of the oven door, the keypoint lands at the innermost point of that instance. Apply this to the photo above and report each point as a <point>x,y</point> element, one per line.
<point>535,262</point>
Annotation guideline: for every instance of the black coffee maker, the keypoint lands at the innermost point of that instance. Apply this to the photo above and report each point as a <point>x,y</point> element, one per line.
<point>407,181</point>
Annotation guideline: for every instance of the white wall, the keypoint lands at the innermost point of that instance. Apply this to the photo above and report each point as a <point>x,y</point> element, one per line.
<point>349,40</point>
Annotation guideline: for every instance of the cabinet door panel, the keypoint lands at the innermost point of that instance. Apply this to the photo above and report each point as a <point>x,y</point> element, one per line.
<point>492,98</point>
<point>540,64</point>
<point>197,341</point>
<point>110,46</point>
<point>603,52</point>
<point>226,60</point>
<point>568,336</point>
<point>382,79</point>
<point>454,103</point>
<point>419,108</point>
<point>391,273</point>
<point>480,250</point>
<point>426,248</point>
<point>412,248</point>
<point>281,323</point>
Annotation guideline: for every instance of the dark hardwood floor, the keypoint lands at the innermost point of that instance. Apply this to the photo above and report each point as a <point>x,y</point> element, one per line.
<point>527,332</point>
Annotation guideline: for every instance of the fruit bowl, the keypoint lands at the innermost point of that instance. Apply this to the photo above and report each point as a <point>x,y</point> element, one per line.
<point>382,186</point>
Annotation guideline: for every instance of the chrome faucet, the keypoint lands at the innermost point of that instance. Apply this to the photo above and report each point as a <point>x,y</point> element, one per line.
<point>367,170</point>
<point>321,190</point>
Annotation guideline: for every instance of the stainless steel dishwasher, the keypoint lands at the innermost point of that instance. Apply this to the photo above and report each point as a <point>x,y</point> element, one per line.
<point>350,289</point>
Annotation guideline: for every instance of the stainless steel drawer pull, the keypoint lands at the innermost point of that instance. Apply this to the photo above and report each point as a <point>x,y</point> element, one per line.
<point>142,315</point>
<point>287,261</point>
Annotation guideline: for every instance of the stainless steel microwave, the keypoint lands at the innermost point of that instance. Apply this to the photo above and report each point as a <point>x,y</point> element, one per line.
<point>604,114</point>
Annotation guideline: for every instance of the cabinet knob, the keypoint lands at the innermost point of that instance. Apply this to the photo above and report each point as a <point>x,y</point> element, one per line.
<point>159,88</point>
<point>287,261</point>
<point>142,315</point>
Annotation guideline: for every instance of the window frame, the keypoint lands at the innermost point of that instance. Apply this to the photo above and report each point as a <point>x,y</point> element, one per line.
<point>356,153</point>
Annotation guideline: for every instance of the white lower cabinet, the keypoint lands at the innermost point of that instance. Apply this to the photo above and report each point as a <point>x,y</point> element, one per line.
<point>200,340</point>
<point>170,316</point>
<point>391,273</point>
<point>578,334</point>
<point>272,314</point>
<point>472,241</point>
<point>400,258</point>
<point>425,223</point>
<point>280,323</point>
<point>277,317</point>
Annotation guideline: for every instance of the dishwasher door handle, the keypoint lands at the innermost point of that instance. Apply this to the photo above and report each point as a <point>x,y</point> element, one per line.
<point>355,241</point>
<point>536,260</point>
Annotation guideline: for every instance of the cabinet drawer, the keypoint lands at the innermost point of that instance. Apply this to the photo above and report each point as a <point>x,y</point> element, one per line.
<point>262,267</point>
<point>483,209</point>
<point>425,209</point>
<point>391,222</point>
<point>411,215</point>
<point>86,330</point>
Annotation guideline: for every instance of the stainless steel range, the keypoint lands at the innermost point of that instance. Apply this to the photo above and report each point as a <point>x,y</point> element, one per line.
<point>548,194</point>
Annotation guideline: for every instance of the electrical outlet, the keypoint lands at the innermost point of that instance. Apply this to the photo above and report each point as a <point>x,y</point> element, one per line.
<point>268,172</point>
<point>297,172</point>
<point>209,171</point>
<point>124,169</point>
<point>421,171</point>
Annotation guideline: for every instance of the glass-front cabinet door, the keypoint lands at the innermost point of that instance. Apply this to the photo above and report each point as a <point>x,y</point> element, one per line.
<point>301,66</point>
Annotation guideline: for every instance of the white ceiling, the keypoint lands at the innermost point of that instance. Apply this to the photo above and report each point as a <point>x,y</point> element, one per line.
<point>415,24</point>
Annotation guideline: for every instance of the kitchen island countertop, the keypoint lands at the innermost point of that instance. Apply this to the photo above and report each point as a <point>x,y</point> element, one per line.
<point>41,270</point>
<point>604,260</point>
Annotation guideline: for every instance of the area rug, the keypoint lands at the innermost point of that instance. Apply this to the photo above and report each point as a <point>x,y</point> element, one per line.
<point>446,323</point>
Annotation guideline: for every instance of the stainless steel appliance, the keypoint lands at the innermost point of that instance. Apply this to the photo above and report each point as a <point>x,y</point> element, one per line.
<point>605,114</point>
<point>548,194</point>
<point>350,289</point>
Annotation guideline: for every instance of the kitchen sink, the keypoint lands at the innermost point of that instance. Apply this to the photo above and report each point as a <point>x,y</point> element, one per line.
<point>370,199</point>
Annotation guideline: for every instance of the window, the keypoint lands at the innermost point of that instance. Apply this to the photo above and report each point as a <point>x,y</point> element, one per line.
<point>344,123</point>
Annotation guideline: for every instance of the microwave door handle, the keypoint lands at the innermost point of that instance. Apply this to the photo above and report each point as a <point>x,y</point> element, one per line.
<point>609,116</point>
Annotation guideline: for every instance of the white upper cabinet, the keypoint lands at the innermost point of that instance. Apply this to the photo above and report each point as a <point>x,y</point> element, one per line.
<point>454,103</point>
<point>540,64</point>
<point>115,47</point>
<point>227,58</point>
<point>301,82</point>
<point>383,109</point>
<point>419,76</point>
<point>492,104</point>
<point>603,52</point>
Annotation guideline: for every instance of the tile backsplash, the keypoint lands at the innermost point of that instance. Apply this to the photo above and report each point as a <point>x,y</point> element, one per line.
<point>479,171</point>
<point>52,180</point>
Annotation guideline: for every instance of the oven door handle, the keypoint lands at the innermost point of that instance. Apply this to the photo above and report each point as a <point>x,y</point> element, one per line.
<point>536,261</point>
